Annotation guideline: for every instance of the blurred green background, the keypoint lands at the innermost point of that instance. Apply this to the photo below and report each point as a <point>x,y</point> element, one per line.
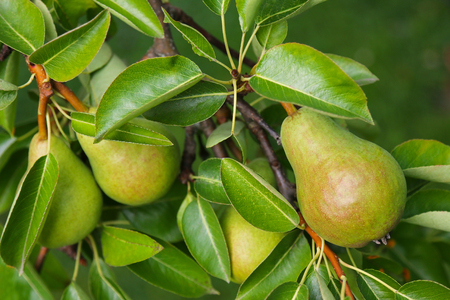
<point>405,43</point>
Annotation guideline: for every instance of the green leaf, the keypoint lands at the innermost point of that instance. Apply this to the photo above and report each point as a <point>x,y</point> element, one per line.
<point>68,55</point>
<point>9,72</point>
<point>223,132</point>
<point>317,286</point>
<point>205,240</point>
<point>131,94</point>
<point>69,11</point>
<point>8,93</point>
<point>100,60</point>
<point>123,247</point>
<point>289,291</point>
<point>424,159</point>
<point>257,201</point>
<point>285,263</point>
<point>208,183</point>
<point>199,43</point>
<point>219,7</point>
<point>50,29</point>
<point>29,211</point>
<point>429,208</point>
<point>372,289</point>
<point>194,105</point>
<point>21,25</point>
<point>84,123</point>
<point>422,289</point>
<point>187,200</point>
<point>74,292</point>
<point>275,10</point>
<point>358,72</point>
<point>311,79</point>
<point>174,271</point>
<point>10,178</point>
<point>272,35</point>
<point>102,283</point>
<point>136,13</point>
<point>248,10</point>
<point>7,148</point>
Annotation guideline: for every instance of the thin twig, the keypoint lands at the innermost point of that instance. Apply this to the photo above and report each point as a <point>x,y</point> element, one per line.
<point>71,251</point>
<point>40,259</point>
<point>5,52</point>
<point>188,158</point>
<point>208,127</point>
<point>69,96</point>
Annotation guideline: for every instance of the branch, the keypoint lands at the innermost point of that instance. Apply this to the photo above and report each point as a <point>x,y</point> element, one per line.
<point>179,15</point>
<point>69,96</point>
<point>207,128</point>
<point>71,251</point>
<point>5,52</point>
<point>188,158</point>
<point>332,257</point>
<point>40,259</point>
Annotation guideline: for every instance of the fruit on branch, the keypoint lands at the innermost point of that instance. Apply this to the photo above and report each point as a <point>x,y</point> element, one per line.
<point>261,166</point>
<point>77,200</point>
<point>350,191</point>
<point>248,245</point>
<point>134,174</point>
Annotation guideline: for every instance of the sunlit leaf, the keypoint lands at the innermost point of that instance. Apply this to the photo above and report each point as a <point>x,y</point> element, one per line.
<point>219,7</point>
<point>317,285</point>
<point>248,10</point>
<point>289,291</point>
<point>8,93</point>
<point>100,60</point>
<point>50,29</point>
<point>272,35</point>
<point>208,183</point>
<point>372,289</point>
<point>74,292</point>
<point>69,11</point>
<point>422,289</point>
<point>102,283</point>
<point>9,71</point>
<point>358,72</point>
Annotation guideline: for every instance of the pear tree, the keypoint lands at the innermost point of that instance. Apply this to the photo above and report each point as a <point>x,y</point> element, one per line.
<point>236,168</point>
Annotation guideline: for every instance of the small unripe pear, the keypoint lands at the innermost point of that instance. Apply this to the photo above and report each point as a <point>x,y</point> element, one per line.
<point>350,191</point>
<point>77,200</point>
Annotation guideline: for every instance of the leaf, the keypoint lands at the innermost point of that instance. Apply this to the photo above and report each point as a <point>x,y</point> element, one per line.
<point>187,200</point>
<point>194,105</point>
<point>429,208</point>
<point>205,240</point>
<point>311,79</point>
<point>8,93</point>
<point>102,283</point>
<point>372,289</point>
<point>275,10</point>
<point>422,289</point>
<point>136,13</point>
<point>248,10</point>
<point>100,60</point>
<point>174,271</point>
<point>219,7</point>
<point>208,183</point>
<point>9,72</point>
<point>272,35</point>
<point>223,132</point>
<point>317,286</point>
<point>257,201</point>
<point>289,291</point>
<point>68,55</point>
<point>358,72</point>
<point>84,123</point>
<point>7,147</point>
<point>74,292</point>
<point>50,29</point>
<point>123,247</point>
<point>29,211</point>
<point>21,25</point>
<point>131,94</point>
<point>199,43</point>
<point>285,263</point>
<point>10,178</point>
<point>69,11</point>
<point>424,159</point>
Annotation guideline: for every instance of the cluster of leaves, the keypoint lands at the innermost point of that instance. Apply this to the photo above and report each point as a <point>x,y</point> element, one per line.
<point>173,90</point>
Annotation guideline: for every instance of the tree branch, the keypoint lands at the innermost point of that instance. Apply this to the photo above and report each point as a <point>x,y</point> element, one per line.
<point>207,128</point>
<point>40,259</point>
<point>69,96</point>
<point>188,158</point>
<point>5,52</point>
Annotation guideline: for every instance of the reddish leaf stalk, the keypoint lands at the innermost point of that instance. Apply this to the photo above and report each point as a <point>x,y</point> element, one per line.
<point>289,108</point>
<point>40,259</point>
<point>69,96</point>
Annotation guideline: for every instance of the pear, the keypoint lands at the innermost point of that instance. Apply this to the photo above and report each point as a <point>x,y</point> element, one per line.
<point>350,191</point>
<point>248,245</point>
<point>134,174</point>
<point>77,200</point>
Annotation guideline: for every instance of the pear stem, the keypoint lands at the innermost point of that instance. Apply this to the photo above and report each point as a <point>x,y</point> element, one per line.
<point>334,259</point>
<point>289,108</point>
<point>69,96</point>
<point>40,259</point>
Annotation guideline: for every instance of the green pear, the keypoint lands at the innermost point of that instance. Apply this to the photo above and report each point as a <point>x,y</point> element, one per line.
<point>77,200</point>
<point>261,166</point>
<point>248,245</point>
<point>134,174</point>
<point>350,191</point>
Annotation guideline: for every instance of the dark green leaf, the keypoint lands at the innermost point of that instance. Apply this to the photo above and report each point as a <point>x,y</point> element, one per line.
<point>429,208</point>
<point>311,79</point>
<point>422,289</point>
<point>248,10</point>
<point>374,290</point>
<point>358,72</point>
<point>199,43</point>
<point>424,159</point>
<point>272,35</point>
<point>289,291</point>
<point>8,93</point>
<point>194,105</point>
<point>9,71</point>
<point>102,283</point>
<point>285,263</point>
<point>123,247</point>
<point>10,178</point>
<point>223,132</point>
<point>317,285</point>
<point>21,25</point>
<point>29,211</point>
<point>275,10</point>
<point>187,200</point>
<point>50,29</point>
<point>257,201</point>
<point>84,123</point>
<point>68,55</point>
<point>136,13</point>
<point>219,7</point>
<point>208,183</point>
<point>174,271</point>
<point>7,147</point>
<point>100,60</point>
<point>74,292</point>
<point>69,11</point>
<point>205,240</point>
<point>131,94</point>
